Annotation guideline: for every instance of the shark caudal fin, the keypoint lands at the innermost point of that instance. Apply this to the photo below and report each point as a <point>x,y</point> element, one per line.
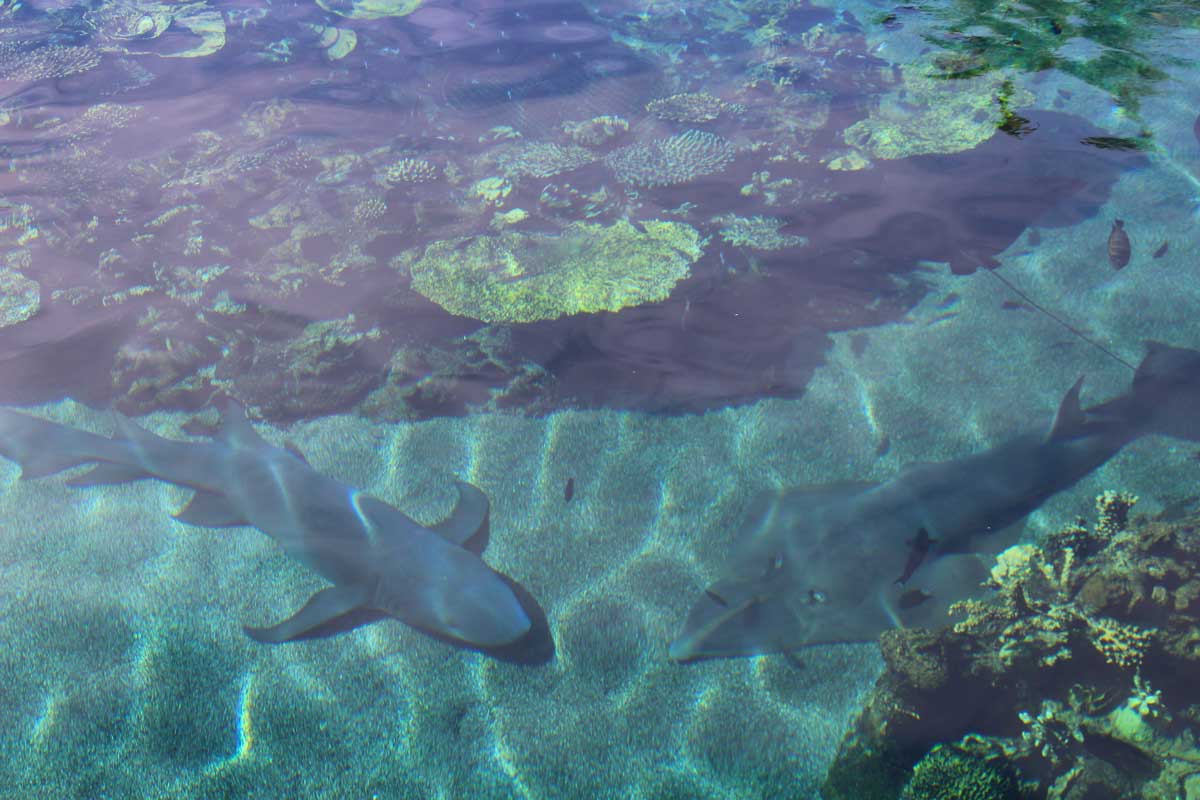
<point>43,448</point>
<point>1165,397</point>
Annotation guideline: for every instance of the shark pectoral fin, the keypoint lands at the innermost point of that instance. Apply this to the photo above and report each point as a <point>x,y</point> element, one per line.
<point>467,525</point>
<point>210,510</point>
<point>323,614</point>
<point>107,474</point>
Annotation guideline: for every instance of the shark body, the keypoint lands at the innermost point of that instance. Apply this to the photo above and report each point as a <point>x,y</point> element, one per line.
<point>379,562</point>
<point>844,563</point>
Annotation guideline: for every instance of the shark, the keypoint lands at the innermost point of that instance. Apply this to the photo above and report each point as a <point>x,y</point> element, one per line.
<point>378,561</point>
<point>848,561</point>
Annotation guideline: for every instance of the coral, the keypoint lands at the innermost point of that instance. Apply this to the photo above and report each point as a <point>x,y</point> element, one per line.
<point>1112,509</point>
<point>370,9</point>
<point>676,159</point>
<point>491,190</point>
<point>596,131</point>
<point>1050,733</point>
<point>20,297</point>
<point>689,107</point>
<point>35,61</point>
<point>757,233</point>
<point>407,170</point>
<point>515,277</point>
<point>133,26</point>
<point>369,209</point>
<point>927,114</point>
<point>1122,645</point>
<point>947,773</point>
<point>542,159</point>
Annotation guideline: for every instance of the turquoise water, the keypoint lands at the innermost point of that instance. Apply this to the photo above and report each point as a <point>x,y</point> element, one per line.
<point>628,268</point>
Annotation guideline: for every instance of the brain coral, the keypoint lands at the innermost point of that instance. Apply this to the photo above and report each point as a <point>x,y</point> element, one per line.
<point>516,277</point>
<point>676,159</point>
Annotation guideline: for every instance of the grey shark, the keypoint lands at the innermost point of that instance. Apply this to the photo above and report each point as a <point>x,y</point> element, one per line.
<point>844,563</point>
<point>379,562</point>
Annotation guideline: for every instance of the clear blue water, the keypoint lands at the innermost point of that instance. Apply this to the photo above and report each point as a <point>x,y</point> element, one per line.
<point>687,290</point>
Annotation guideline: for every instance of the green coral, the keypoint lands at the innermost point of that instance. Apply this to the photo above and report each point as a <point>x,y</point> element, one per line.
<point>517,277</point>
<point>947,773</point>
<point>926,113</point>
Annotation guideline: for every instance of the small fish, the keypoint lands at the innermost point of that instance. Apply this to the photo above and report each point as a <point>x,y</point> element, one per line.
<point>1196,129</point>
<point>1014,305</point>
<point>912,598</point>
<point>1118,245</point>
<point>569,490</point>
<point>1161,251</point>
<point>920,544</point>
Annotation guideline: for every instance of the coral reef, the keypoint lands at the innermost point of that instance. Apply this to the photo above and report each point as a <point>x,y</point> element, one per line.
<point>20,297</point>
<point>596,131</point>
<point>948,773</point>
<point>516,277</point>
<point>541,159</point>
<point>407,170</point>
<point>925,113</point>
<point>757,233</point>
<point>674,160</point>
<point>1063,674</point>
<point>35,61</point>
<point>690,107</point>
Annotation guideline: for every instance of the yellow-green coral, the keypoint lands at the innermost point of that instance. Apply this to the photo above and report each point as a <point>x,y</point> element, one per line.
<point>407,170</point>
<point>596,131</point>
<point>515,277</point>
<point>370,9</point>
<point>927,114</point>
<point>1112,512</point>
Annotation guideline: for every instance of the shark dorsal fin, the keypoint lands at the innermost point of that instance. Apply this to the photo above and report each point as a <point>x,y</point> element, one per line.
<point>1070,419</point>
<point>467,524</point>
<point>236,430</point>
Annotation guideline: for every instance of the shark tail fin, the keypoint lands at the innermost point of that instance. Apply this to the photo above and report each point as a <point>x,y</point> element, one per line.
<point>1165,397</point>
<point>43,448</point>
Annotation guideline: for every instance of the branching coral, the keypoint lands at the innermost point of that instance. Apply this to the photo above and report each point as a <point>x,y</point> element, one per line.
<point>676,159</point>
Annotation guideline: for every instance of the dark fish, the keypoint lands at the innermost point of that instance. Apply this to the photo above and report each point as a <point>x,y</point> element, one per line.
<point>885,444</point>
<point>912,598</point>
<point>919,547</point>
<point>1013,305</point>
<point>1161,251</point>
<point>1118,245</point>
<point>1196,129</point>
<point>569,490</point>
